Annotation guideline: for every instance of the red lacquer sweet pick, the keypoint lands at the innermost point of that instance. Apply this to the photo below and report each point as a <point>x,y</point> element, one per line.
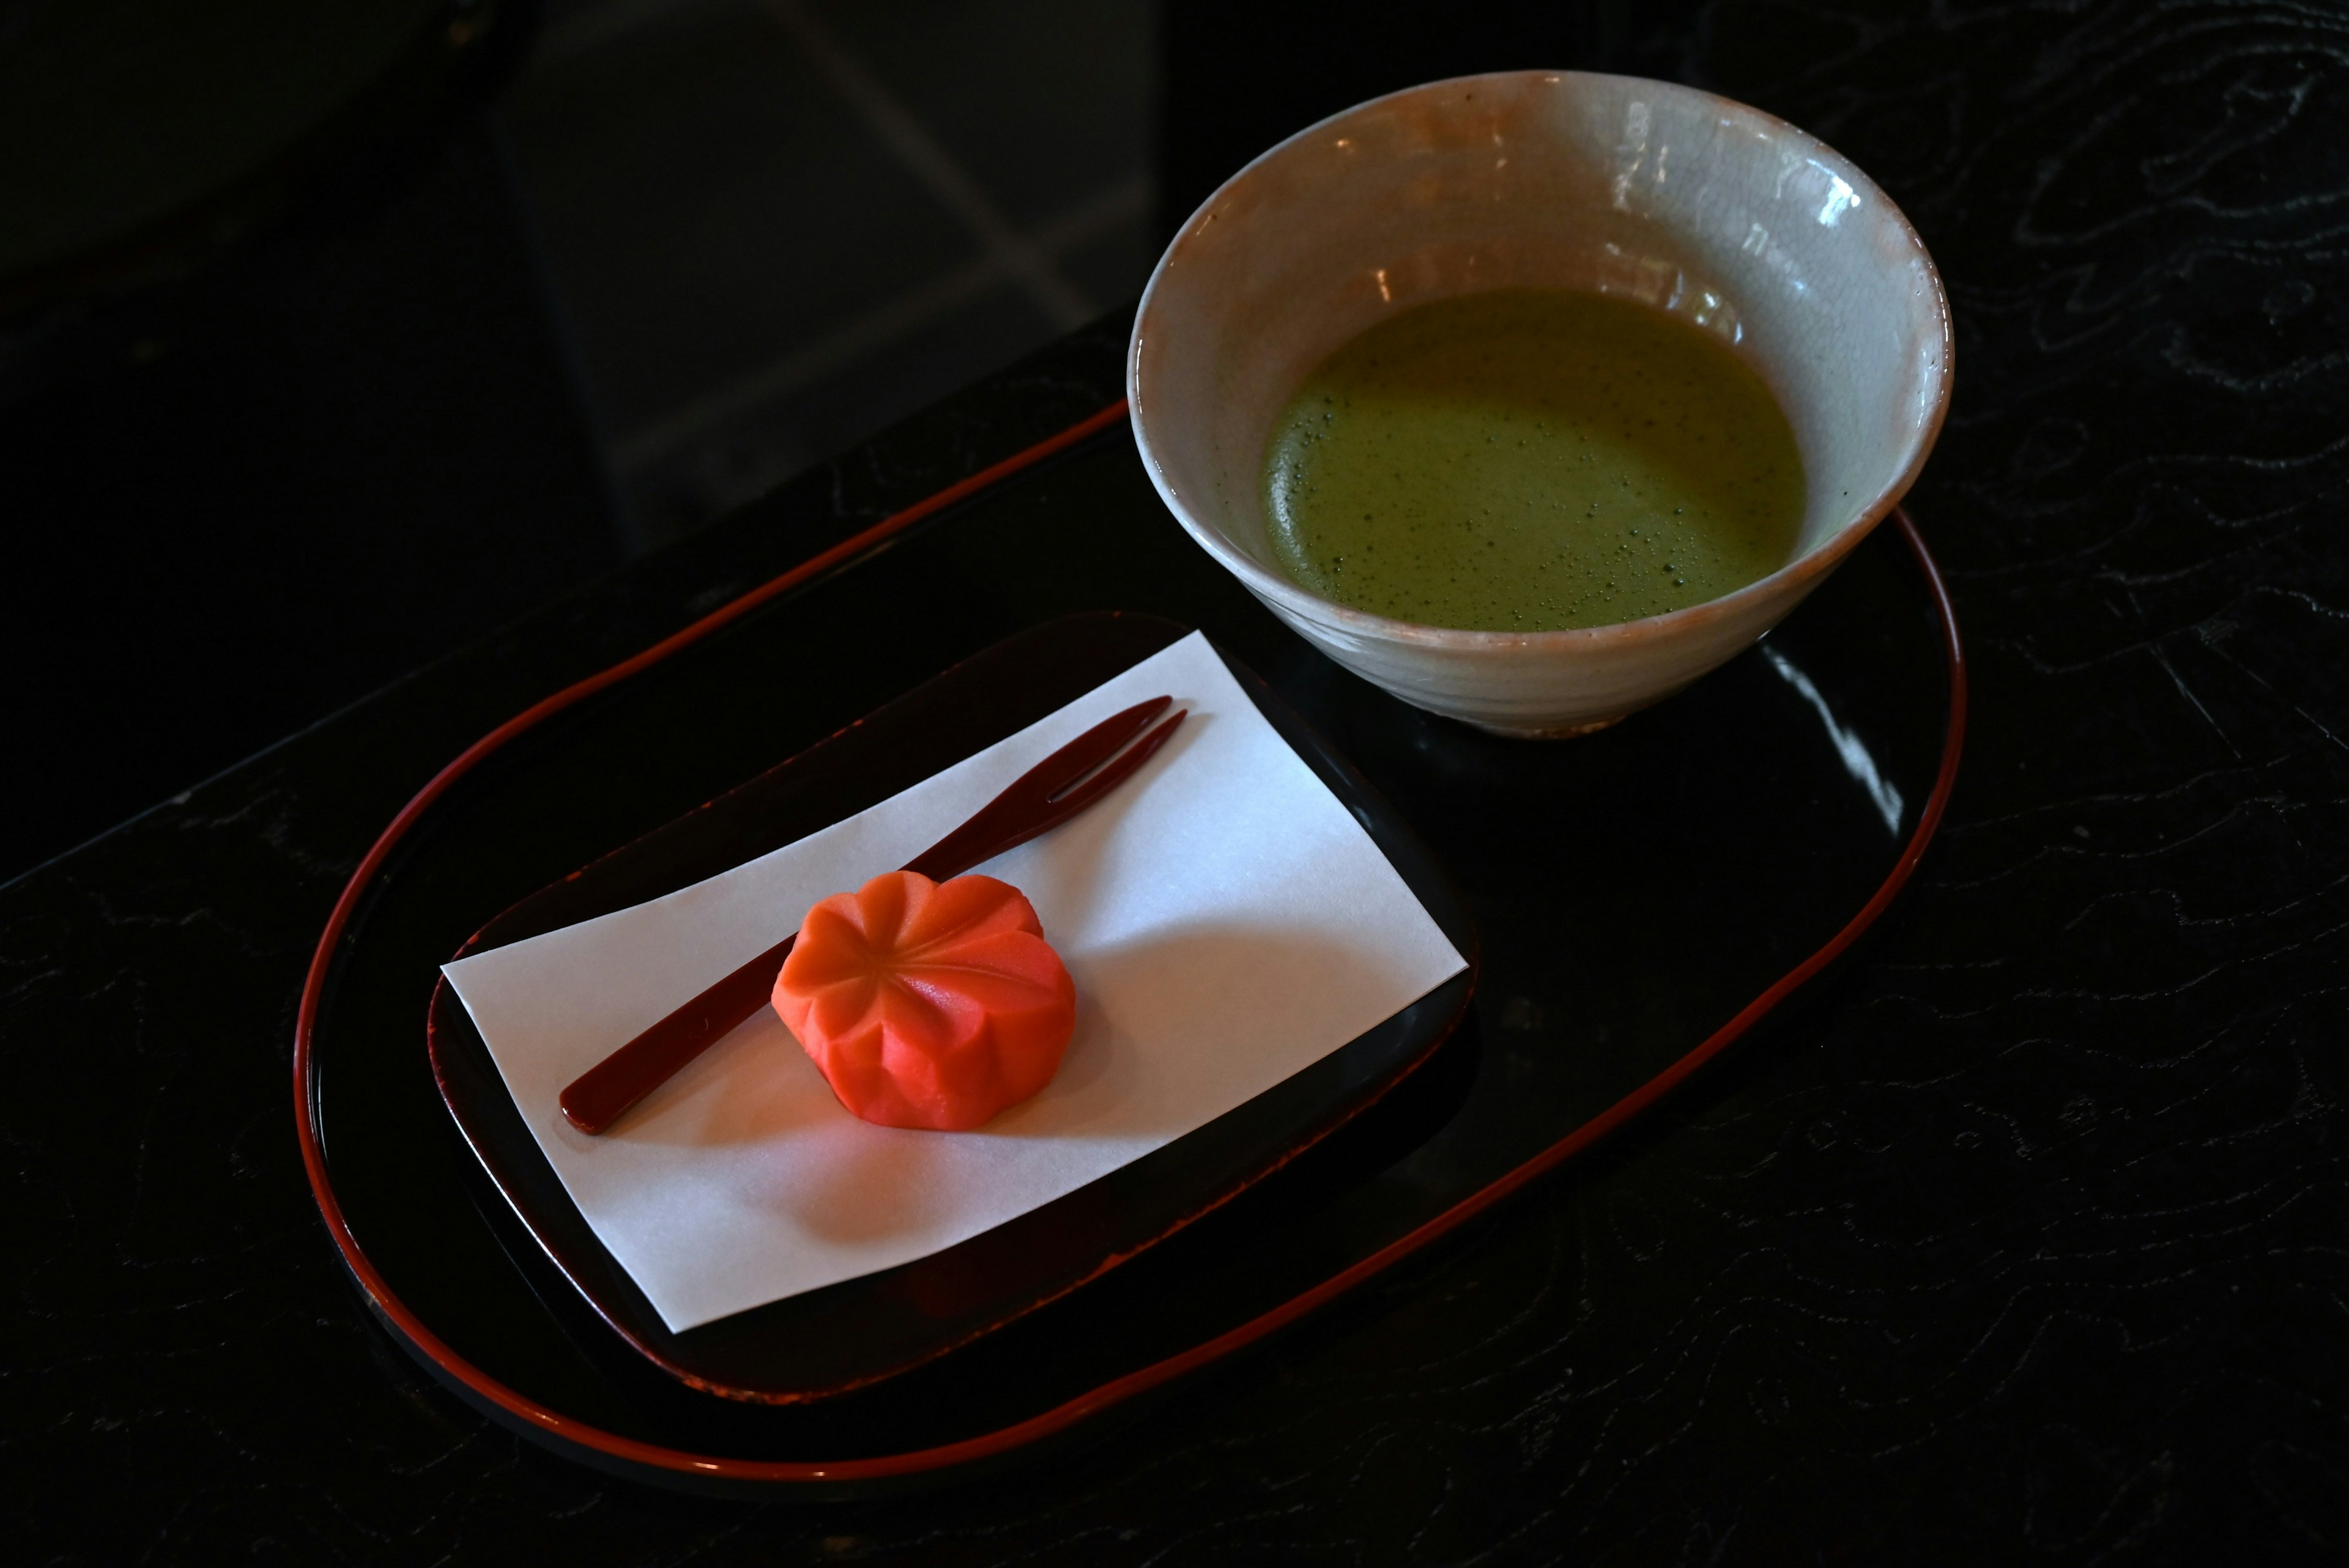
<point>1041,799</point>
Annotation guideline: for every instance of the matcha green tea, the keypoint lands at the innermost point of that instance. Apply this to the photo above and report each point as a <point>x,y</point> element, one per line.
<point>1530,459</point>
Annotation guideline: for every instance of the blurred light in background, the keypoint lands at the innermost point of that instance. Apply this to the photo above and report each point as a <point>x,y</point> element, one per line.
<point>773,227</point>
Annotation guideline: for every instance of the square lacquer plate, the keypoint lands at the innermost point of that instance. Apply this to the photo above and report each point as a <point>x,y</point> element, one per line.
<point>844,1336</point>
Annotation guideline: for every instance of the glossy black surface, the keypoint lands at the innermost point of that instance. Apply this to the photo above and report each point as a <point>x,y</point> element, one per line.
<point>2020,1243</point>
<point>1635,891</point>
<point>1632,891</point>
<point>828,1342</point>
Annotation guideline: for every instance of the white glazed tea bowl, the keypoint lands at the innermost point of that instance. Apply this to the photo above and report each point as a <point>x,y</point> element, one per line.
<point>1721,215</point>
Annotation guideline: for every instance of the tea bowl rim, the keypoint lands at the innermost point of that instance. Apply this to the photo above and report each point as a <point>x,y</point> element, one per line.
<point>1789,584</point>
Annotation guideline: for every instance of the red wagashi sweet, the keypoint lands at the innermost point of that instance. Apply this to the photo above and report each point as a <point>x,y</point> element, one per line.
<point>928,1004</point>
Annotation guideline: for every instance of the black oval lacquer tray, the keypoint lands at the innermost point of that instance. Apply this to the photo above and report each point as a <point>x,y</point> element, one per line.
<point>829,1341</point>
<point>1641,895</point>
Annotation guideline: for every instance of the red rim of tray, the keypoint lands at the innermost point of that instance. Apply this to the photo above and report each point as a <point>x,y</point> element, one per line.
<point>489,1393</point>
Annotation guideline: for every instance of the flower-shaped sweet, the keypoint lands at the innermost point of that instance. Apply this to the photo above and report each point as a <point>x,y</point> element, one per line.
<point>928,1004</point>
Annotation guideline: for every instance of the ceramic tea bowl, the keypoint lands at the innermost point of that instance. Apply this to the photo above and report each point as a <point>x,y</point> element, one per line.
<point>1730,218</point>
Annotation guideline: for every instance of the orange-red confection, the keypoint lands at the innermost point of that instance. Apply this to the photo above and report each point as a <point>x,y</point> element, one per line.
<point>928,1004</point>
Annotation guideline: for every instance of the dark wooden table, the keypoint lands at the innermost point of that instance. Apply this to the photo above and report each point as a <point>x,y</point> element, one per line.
<point>2023,1242</point>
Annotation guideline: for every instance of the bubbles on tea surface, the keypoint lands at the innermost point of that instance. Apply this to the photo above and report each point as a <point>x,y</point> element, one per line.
<point>1478,530</point>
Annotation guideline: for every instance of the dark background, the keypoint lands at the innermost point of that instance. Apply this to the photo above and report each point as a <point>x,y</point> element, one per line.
<point>2023,1244</point>
<point>433,355</point>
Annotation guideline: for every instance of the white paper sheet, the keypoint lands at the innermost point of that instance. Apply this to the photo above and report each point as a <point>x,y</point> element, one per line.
<point>1227,922</point>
